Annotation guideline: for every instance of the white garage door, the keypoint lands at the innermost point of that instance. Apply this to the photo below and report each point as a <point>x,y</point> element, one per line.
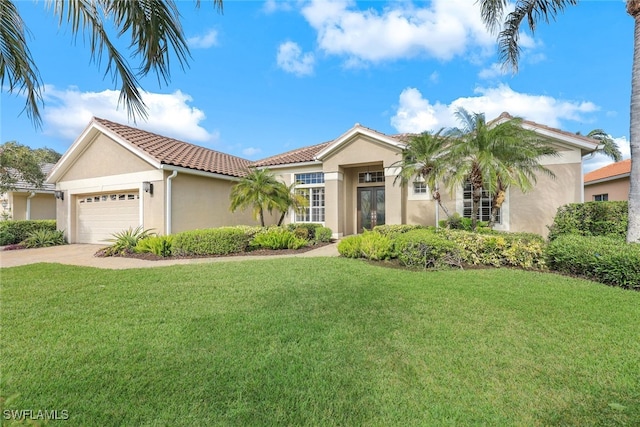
<point>101,215</point>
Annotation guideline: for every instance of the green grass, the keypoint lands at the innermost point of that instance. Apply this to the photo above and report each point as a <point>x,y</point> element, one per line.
<point>324,341</point>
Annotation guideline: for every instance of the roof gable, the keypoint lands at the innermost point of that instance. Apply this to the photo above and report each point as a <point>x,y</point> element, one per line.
<point>155,149</point>
<point>351,134</point>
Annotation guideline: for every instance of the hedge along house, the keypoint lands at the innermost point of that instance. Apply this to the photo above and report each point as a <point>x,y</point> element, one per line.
<point>114,177</point>
<point>25,201</point>
<point>351,183</point>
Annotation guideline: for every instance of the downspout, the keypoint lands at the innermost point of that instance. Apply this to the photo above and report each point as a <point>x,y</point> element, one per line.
<point>31,196</point>
<point>169,202</point>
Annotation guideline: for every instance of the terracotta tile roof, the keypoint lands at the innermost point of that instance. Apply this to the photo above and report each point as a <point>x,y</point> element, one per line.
<point>299,155</point>
<point>173,152</point>
<point>609,171</point>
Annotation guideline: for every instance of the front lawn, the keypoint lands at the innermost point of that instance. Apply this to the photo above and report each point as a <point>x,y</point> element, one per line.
<point>324,341</point>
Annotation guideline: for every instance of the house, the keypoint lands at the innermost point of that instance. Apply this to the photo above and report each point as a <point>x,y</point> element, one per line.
<point>351,183</point>
<point>608,183</point>
<point>114,177</point>
<point>28,202</point>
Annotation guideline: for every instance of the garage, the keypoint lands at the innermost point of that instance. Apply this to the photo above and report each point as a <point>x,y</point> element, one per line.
<point>99,216</point>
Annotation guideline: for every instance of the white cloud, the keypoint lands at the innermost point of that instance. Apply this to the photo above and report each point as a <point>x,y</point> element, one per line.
<point>494,71</point>
<point>69,111</point>
<point>416,113</point>
<point>442,30</point>
<point>271,6</point>
<point>291,59</point>
<point>204,41</point>
<point>434,77</point>
<point>251,151</point>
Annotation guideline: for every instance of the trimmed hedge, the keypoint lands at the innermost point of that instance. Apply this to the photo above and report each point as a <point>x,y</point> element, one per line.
<point>309,226</point>
<point>12,232</point>
<point>323,234</point>
<point>278,238</point>
<point>591,219</point>
<point>605,259</point>
<point>426,249</point>
<point>393,230</point>
<point>211,241</point>
<point>349,247</point>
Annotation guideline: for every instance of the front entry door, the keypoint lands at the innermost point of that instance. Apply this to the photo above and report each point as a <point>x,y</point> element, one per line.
<point>370,207</point>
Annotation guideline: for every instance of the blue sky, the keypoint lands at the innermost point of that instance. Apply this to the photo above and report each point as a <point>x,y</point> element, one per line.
<point>266,77</point>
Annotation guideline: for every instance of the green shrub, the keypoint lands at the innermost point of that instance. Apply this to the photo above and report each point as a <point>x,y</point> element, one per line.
<point>211,241</point>
<point>392,230</point>
<point>605,259</point>
<point>497,249</point>
<point>20,229</point>
<point>157,245</point>
<point>278,238</point>
<point>323,234</point>
<point>426,249</point>
<point>375,246</point>
<point>251,230</point>
<point>309,226</point>
<point>43,238</point>
<point>591,219</point>
<point>301,233</point>
<point>349,247</point>
<point>126,241</point>
<point>457,222</point>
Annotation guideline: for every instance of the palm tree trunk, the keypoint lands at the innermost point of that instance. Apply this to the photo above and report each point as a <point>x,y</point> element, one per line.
<point>476,197</point>
<point>633,230</point>
<point>436,196</point>
<point>281,218</point>
<point>261,217</point>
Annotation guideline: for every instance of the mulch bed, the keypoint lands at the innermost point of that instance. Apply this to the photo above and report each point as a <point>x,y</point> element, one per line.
<point>257,252</point>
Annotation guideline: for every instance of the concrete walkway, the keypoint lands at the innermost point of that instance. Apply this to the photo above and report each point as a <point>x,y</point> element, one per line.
<point>82,255</point>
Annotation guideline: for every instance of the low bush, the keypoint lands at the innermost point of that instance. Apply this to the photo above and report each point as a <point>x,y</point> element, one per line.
<point>157,245</point>
<point>591,219</point>
<point>349,247</point>
<point>457,222</point>
<point>211,241</point>
<point>301,233</point>
<point>309,226</point>
<point>375,246</point>
<point>43,238</point>
<point>393,230</point>
<point>605,259</point>
<point>323,234</point>
<point>12,232</point>
<point>426,249</point>
<point>278,238</point>
<point>498,249</point>
<point>126,241</point>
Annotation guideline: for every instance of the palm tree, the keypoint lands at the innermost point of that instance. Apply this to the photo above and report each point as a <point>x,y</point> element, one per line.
<point>289,198</point>
<point>260,191</point>
<point>491,157</point>
<point>156,36</point>
<point>533,10</point>
<point>609,147</point>
<point>426,157</point>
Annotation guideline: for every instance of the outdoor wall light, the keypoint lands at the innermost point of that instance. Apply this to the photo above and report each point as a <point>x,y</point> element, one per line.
<point>5,203</point>
<point>147,187</point>
<point>367,177</point>
<point>59,194</point>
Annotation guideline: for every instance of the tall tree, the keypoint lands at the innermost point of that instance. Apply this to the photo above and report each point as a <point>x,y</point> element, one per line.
<point>492,12</point>
<point>289,199</point>
<point>19,162</point>
<point>260,191</point>
<point>426,157</point>
<point>153,25</point>
<point>493,156</point>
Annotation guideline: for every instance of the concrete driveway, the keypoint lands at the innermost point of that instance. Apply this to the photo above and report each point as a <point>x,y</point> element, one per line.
<point>82,255</point>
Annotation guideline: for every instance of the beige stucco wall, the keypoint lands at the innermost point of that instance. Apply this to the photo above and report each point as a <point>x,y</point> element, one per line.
<point>104,157</point>
<point>201,202</point>
<point>153,207</point>
<point>617,189</point>
<point>43,206</point>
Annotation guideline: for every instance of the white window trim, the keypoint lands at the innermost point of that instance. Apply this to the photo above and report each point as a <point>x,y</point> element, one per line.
<point>418,196</point>
<point>505,210</point>
<point>292,214</point>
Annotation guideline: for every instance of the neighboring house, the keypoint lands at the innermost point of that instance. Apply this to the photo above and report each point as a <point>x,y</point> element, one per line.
<point>114,177</point>
<point>28,202</point>
<point>608,183</point>
<point>351,184</point>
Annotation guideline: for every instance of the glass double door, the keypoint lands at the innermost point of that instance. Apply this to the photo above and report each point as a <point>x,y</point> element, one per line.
<point>370,207</point>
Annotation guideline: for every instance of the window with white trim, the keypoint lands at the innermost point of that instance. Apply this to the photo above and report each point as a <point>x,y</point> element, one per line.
<point>601,197</point>
<point>419,187</point>
<point>485,204</point>
<point>311,187</point>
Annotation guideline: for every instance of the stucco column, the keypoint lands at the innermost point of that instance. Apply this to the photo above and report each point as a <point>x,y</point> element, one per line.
<point>393,196</point>
<point>334,202</point>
